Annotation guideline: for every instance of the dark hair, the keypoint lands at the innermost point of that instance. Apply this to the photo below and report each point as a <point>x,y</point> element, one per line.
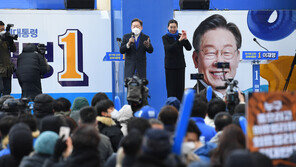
<point>61,104</point>
<point>172,21</point>
<point>168,115</point>
<point>98,97</point>
<point>211,23</point>
<point>215,106</point>
<point>193,128</point>
<point>140,124</point>
<point>199,108</point>
<point>88,115</point>
<point>138,20</point>
<point>85,137</point>
<point>30,120</point>
<point>103,105</point>
<point>231,139</point>
<point>221,120</point>
<point>71,124</point>
<point>6,123</point>
<point>2,23</point>
<point>43,105</point>
<point>240,109</point>
<point>52,123</point>
<point>132,143</point>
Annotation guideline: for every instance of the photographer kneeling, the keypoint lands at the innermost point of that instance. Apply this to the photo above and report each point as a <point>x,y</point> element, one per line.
<point>30,67</point>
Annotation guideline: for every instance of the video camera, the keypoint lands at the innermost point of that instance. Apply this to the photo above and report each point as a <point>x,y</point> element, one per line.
<point>232,90</point>
<point>41,48</point>
<point>16,107</point>
<point>7,36</point>
<point>137,92</point>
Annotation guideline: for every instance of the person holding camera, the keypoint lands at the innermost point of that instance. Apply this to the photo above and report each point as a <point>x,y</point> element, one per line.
<point>6,66</point>
<point>134,46</point>
<point>173,43</point>
<point>30,67</point>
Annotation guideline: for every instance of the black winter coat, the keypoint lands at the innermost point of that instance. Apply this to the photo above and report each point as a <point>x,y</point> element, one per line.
<point>174,55</point>
<point>34,160</point>
<point>30,67</point>
<point>79,158</point>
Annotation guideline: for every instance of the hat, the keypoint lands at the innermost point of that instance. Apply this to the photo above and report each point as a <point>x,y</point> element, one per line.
<point>43,105</point>
<point>20,140</point>
<point>157,143</point>
<point>173,101</point>
<point>146,112</point>
<point>79,102</point>
<point>45,143</point>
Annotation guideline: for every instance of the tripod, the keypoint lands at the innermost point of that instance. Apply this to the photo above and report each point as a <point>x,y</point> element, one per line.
<point>290,74</point>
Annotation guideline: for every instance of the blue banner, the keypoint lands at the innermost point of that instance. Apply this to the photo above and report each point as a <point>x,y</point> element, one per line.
<point>113,56</point>
<point>260,55</point>
<point>256,77</point>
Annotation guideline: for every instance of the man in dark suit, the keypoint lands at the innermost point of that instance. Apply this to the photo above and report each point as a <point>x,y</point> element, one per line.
<point>135,45</point>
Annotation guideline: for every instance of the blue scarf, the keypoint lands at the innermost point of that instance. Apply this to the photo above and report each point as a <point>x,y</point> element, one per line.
<point>173,35</point>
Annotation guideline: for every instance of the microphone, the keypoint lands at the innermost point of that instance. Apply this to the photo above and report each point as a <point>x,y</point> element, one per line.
<point>255,40</point>
<point>133,35</point>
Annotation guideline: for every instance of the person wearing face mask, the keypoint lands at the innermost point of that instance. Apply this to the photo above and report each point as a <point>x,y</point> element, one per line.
<point>6,66</point>
<point>135,45</point>
<point>175,64</point>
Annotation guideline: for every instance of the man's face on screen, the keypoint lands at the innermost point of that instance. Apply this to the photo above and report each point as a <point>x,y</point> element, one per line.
<point>217,45</point>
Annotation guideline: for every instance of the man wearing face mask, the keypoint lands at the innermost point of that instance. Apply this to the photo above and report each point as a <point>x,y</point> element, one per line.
<point>6,66</point>
<point>135,45</point>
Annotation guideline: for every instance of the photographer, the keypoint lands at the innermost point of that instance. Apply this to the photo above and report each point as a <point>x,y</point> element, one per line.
<point>30,67</point>
<point>6,66</point>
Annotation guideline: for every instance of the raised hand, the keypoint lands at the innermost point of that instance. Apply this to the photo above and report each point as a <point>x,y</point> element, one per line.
<point>147,43</point>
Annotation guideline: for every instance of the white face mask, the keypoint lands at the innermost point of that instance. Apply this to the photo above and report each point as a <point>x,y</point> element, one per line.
<point>2,32</point>
<point>137,31</point>
<point>114,114</point>
<point>188,147</point>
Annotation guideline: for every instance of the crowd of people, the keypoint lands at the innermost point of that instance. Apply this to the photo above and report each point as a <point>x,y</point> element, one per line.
<point>102,136</point>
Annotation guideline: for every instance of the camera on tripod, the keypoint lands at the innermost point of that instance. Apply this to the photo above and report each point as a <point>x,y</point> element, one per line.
<point>7,36</point>
<point>137,92</point>
<point>16,107</point>
<point>232,98</point>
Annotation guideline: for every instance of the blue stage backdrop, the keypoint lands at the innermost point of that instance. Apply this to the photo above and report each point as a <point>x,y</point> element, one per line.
<point>155,15</point>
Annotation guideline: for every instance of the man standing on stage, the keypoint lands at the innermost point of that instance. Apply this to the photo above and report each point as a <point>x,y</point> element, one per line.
<point>6,66</point>
<point>135,45</point>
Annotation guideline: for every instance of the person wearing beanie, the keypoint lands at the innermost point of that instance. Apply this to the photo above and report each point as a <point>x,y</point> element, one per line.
<point>78,104</point>
<point>44,148</point>
<point>21,144</point>
<point>43,106</point>
<point>173,101</point>
<point>52,123</point>
<point>156,148</point>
